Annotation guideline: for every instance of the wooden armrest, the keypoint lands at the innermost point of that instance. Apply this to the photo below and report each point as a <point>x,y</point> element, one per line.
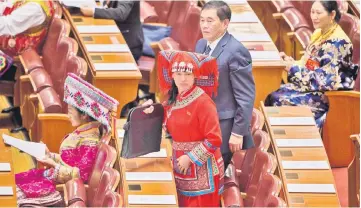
<point>24,78</point>
<point>277,16</point>
<point>352,93</point>
<point>51,116</point>
<point>243,195</point>
<point>291,34</point>
<point>302,52</point>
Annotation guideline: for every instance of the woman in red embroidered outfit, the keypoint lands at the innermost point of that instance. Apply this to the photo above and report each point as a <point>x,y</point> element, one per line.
<point>88,108</point>
<point>191,120</point>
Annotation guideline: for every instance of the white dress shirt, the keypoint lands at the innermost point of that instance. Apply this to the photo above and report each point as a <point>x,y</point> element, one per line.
<point>214,44</point>
<point>25,17</point>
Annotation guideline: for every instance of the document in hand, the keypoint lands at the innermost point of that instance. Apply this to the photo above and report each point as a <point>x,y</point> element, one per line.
<point>143,132</point>
<point>34,149</point>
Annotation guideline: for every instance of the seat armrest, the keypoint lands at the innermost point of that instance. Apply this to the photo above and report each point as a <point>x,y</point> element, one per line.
<point>30,60</point>
<point>75,191</point>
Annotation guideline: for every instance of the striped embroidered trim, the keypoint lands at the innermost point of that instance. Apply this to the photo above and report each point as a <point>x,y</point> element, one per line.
<point>200,154</point>
<point>188,99</point>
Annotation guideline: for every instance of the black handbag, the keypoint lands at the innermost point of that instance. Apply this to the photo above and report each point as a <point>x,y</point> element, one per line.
<point>143,132</point>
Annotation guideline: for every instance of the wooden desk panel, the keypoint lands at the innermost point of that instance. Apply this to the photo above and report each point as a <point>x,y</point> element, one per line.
<point>81,20</point>
<point>302,154</point>
<point>314,200</point>
<point>7,178</point>
<point>288,111</point>
<point>150,188</point>
<point>309,176</point>
<point>295,132</point>
<point>102,39</point>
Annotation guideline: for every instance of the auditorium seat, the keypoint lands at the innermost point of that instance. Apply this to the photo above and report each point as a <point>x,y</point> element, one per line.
<point>112,199</point>
<point>109,180</point>
<point>231,196</point>
<point>257,121</point>
<point>266,195</point>
<point>282,5</point>
<point>244,160</point>
<point>162,8</point>
<point>148,13</point>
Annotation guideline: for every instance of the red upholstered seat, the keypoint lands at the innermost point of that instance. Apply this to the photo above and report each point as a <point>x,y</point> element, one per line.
<point>244,160</point>
<point>295,19</point>
<point>108,182</point>
<point>231,195</point>
<point>257,121</point>
<point>147,13</point>
<point>112,199</point>
<point>50,100</point>
<point>162,9</point>
<point>303,35</point>
<point>266,195</point>
<point>282,5</point>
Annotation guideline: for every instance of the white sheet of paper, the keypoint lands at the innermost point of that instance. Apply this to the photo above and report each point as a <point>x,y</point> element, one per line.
<point>292,121</point>
<point>305,165</point>
<point>120,133</point>
<point>115,66</point>
<point>245,17</point>
<point>299,143</point>
<point>5,167</point>
<point>148,176</point>
<point>248,37</point>
<point>79,3</point>
<point>107,48</point>
<point>96,29</point>
<point>152,199</point>
<point>6,191</point>
<point>161,153</point>
<point>311,188</point>
<point>34,149</point>
<point>265,55</point>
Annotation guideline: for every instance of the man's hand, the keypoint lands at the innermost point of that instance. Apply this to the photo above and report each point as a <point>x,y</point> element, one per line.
<point>87,11</point>
<point>235,143</point>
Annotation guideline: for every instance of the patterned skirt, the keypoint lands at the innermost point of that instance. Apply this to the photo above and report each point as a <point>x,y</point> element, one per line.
<point>53,199</point>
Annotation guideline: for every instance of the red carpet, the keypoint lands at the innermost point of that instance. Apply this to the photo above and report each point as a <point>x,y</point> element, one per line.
<point>340,175</point>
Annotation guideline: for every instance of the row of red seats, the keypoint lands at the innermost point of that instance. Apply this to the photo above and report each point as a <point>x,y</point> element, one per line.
<point>251,181</point>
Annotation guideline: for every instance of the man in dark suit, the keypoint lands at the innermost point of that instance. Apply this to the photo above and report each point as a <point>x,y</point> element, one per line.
<point>127,16</point>
<point>236,89</point>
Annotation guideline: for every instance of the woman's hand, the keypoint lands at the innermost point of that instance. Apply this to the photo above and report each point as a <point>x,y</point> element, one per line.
<point>183,163</point>
<point>47,161</point>
<point>150,109</point>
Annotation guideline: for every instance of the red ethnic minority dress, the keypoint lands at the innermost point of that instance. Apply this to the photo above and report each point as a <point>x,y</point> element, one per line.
<point>33,37</point>
<point>193,124</point>
<point>77,155</point>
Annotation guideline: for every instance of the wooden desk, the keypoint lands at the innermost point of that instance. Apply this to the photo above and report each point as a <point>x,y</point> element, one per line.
<point>354,175</point>
<point>264,71</point>
<point>147,165</point>
<point>7,178</point>
<point>300,176</point>
<point>120,84</point>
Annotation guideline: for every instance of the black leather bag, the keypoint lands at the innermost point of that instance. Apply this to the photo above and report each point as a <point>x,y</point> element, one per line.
<point>143,132</point>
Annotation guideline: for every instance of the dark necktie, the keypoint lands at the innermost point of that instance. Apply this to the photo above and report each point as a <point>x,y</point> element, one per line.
<point>208,49</point>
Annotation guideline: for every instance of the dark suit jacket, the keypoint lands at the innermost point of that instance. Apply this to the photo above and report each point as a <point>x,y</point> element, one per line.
<point>236,89</point>
<point>127,16</point>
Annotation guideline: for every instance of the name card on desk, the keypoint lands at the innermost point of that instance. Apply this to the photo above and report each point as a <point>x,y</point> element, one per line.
<point>249,37</point>
<point>148,176</point>
<point>5,167</point>
<point>115,66</point>
<point>305,165</point>
<point>299,143</point>
<point>292,121</point>
<point>311,188</point>
<point>161,153</point>
<point>96,29</point>
<point>245,17</point>
<point>265,55</point>
<point>152,199</point>
<point>107,48</point>
<point>6,191</point>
